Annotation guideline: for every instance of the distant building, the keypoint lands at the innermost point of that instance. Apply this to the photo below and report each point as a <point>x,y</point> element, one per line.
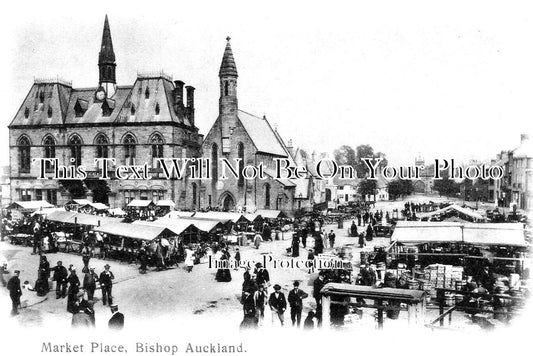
<point>5,191</point>
<point>522,174</point>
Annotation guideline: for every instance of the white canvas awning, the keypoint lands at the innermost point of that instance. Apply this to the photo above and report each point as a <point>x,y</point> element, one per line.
<point>135,231</point>
<point>417,232</point>
<point>465,211</point>
<point>30,205</point>
<point>137,203</point>
<point>168,203</point>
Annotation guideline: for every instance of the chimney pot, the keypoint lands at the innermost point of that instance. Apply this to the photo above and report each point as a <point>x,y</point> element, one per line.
<point>178,92</point>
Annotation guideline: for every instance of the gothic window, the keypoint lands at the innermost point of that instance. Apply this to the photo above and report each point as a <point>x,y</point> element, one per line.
<point>102,149</point>
<point>49,151</point>
<point>49,112</point>
<point>214,162</point>
<point>157,148</point>
<point>157,109</point>
<point>147,93</point>
<point>267,196</point>
<point>240,149</point>
<point>132,110</point>
<point>194,196</point>
<point>26,113</point>
<point>24,154</point>
<point>129,148</point>
<point>74,144</point>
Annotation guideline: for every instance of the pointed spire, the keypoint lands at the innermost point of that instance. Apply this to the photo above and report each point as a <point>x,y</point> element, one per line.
<point>106,51</point>
<point>228,67</point>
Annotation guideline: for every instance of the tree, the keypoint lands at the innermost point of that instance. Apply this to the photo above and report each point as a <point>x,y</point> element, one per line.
<point>400,188</point>
<point>345,155</point>
<point>446,186</point>
<point>76,188</point>
<point>367,187</point>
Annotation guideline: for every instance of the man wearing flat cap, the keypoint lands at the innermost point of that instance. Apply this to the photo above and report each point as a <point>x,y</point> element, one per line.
<point>295,298</point>
<point>106,284</point>
<point>116,322</point>
<point>60,276</point>
<point>278,304</point>
<point>13,285</point>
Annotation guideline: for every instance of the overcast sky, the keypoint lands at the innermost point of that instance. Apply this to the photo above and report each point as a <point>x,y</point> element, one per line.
<point>451,80</point>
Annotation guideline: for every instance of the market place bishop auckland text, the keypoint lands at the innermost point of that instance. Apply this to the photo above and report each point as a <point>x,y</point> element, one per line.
<point>200,168</point>
<point>141,347</point>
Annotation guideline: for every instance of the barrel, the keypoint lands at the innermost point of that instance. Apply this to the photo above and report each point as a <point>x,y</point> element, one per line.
<point>449,299</point>
<point>413,284</point>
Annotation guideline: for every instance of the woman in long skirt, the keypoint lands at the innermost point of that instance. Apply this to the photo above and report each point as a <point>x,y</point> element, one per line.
<point>189,259</point>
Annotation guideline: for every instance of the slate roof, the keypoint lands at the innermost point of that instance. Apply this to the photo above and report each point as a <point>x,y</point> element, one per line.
<point>62,99</point>
<point>262,134</point>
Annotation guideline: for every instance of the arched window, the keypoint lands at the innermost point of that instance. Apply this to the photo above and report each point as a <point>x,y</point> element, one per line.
<point>240,149</point>
<point>49,151</point>
<point>102,149</point>
<point>194,196</point>
<point>147,93</point>
<point>214,162</point>
<point>24,154</point>
<point>129,149</point>
<point>267,196</point>
<point>157,109</point>
<point>226,88</point>
<point>157,149</point>
<point>74,144</point>
<point>132,110</point>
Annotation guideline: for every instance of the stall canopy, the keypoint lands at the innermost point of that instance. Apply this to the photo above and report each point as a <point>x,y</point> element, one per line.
<point>135,231</point>
<point>166,203</point>
<point>137,203</point>
<point>416,232</point>
<point>204,225</point>
<point>220,216</point>
<point>117,212</point>
<point>47,211</point>
<point>179,214</point>
<point>503,234</point>
<point>270,214</point>
<point>71,217</point>
<point>30,205</point>
<point>174,225</point>
<point>460,210</point>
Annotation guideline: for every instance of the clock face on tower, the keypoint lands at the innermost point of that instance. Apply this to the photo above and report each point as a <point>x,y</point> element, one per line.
<point>100,94</point>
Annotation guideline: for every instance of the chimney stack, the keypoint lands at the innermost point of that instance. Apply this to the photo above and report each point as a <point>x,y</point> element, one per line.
<point>178,92</point>
<point>190,104</point>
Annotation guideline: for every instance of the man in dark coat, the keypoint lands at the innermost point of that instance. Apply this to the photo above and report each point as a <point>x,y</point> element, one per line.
<point>278,304</point>
<point>318,284</point>
<point>13,285</point>
<point>295,299</point>
<point>309,324</point>
<point>331,238</point>
<point>106,284</point>
<point>262,276</point>
<point>117,319</point>
<point>247,301</point>
<point>60,276</point>
<point>353,229</point>
<point>304,237</point>
<point>73,289</point>
<point>89,283</point>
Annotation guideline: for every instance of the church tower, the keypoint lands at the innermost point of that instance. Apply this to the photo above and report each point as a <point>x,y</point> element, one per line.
<point>228,91</point>
<point>106,64</point>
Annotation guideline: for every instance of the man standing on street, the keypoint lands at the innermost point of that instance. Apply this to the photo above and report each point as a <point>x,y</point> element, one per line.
<point>106,284</point>
<point>262,276</point>
<point>73,289</point>
<point>117,319</point>
<point>89,283</point>
<point>331,237</point>
<point>260,300</point>
<point>278,304</point>
<point>295,301</point>
<point>13,285</point>
<point>60,276</point>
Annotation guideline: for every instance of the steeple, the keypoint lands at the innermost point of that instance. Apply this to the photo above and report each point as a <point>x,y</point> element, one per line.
<point>106,62</point>
<point>228,67</point>
<point>228,91</point>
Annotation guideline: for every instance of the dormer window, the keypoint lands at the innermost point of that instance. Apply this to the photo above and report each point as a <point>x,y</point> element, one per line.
<point>80,107</point>
<point>49,112</point>
<point>26,113</point>
<point>107,107</point>
<point>147,93</point>
<point>157,109</point>
<point>132,110</point>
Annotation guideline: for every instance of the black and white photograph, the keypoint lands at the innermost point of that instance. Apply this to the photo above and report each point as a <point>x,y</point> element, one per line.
<point>245,177</point>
